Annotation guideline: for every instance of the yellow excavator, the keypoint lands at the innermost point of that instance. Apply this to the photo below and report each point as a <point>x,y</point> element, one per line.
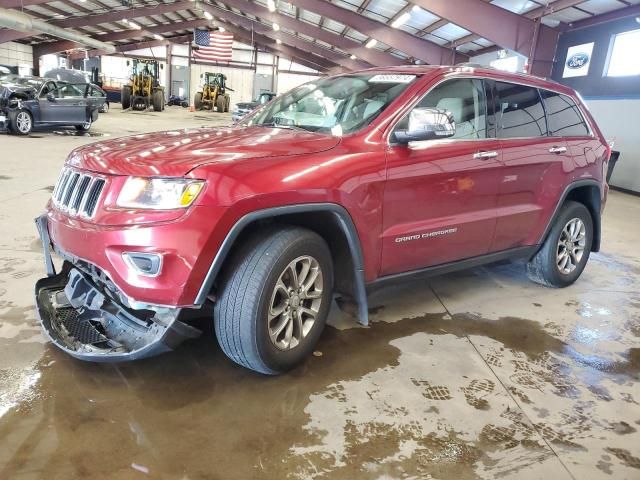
<point>143,90</point>
<point>214,93</point>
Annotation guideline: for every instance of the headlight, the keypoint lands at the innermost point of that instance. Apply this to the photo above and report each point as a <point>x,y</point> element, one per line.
<point>158,193</point>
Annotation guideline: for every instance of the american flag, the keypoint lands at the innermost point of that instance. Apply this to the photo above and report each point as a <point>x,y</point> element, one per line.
<point>213,46</point>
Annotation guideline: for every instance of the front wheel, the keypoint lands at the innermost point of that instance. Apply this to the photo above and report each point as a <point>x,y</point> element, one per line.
<point>564,254</point>
<point>274,300</point>
<point>21,122</point>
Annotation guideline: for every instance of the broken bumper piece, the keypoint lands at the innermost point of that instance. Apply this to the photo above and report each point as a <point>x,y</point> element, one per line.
<point>88,324</point>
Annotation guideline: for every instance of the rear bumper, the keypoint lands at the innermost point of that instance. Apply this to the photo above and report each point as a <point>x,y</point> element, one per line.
<point>87,323</point>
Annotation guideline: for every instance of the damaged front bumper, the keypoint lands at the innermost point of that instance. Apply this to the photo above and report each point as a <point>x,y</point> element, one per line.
<point>90,322</point>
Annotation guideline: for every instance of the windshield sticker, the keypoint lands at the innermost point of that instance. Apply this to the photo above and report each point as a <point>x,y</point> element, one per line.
<point>386,78</point>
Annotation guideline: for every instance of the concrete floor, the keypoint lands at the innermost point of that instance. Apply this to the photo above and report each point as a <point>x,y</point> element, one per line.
<point>479,374</point>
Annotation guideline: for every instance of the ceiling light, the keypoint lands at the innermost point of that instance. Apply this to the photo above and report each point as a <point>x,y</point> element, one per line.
<point>401,20</point>
<point>278,41</point>
<point>371,43</point>
<point>221,29</point>
<point>135,26</point>
<point>276,27</point>
<point>416,8</point>
<point>271,5</point>
<point>158,37</point>
<point>208,16</point>
<point>125,21</point>
<point>353,57</point>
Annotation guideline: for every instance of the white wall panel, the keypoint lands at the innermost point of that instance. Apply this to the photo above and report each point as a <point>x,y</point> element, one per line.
<point>618,120</point>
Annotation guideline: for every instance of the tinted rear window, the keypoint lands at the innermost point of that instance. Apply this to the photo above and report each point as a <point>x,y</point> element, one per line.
<point>564,117</point>
<point>519,111</point>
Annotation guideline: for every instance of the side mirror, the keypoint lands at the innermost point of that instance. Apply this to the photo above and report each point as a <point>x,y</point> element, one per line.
<point>427,124</point>
<point>51,97</point>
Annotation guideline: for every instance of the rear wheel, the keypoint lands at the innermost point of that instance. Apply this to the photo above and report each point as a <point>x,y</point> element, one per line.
<point>126,97</point>
<point>227,103</point>
<point>197,101</point>
<point>275,299</point>
<point>157,100</point>
<point>84,127</point>
<point>21,122</point>
<point>564,254</point>
<point>220,103</point>
<point>104,108</point>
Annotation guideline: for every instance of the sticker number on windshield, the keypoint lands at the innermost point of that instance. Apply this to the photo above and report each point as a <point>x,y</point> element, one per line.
<point>386,78</point>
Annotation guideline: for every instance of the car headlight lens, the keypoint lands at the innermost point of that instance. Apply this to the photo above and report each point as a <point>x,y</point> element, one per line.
<point>159,193</point>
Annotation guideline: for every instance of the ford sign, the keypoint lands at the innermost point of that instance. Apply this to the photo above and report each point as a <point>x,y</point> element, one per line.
<point>578,60</point>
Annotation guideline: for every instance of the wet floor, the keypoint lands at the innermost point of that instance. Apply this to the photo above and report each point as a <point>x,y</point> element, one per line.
<point>478,374</point>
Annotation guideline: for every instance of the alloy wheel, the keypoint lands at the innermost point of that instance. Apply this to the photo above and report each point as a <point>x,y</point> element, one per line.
<point>295,302</point>
<point>23,122</point>
<point>571,244</point>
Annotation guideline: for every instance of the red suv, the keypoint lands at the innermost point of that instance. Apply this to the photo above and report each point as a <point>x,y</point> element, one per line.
<point>335,187</point>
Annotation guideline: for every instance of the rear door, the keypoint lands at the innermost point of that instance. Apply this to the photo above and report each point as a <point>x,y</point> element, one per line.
<point>533,163</point>
<point>440,195</point>
<point>566,122</point>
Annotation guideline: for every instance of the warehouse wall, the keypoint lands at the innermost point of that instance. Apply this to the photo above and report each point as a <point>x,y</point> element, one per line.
<point>17,55</point>
<point>614,101</point>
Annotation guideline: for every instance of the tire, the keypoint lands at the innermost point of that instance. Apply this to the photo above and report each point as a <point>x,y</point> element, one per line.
<point>220,104</point>
<point>227,103</point>
<point>126,98</point>
<point>197,101</point>
<point>85,127</point>
<point>21,122</point>
<point>548,267</point>
<point>104,108</point>
<point>241,313</point>
<point>157,99</point>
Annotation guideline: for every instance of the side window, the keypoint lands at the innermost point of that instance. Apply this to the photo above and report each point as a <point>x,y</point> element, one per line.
<point>564,117</point>
<point>465,99</point>
<point>47,88</point>
<point>519,111</point>
<point>70,90</point>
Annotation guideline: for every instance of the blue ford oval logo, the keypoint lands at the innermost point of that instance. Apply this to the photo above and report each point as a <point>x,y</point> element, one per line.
<point>578,60</point>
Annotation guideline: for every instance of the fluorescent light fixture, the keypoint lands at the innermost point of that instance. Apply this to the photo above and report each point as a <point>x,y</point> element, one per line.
<point>416,8</point>
<point>125,21</point>
<point>158,37</point>
<point>135,26</point>
<point>278,41</point>
<point>208,16</point>
<point>371,43</point>
<point>276,27</point>
<point>271,5</point>
<point>353,57</point>
<point>401,20</point>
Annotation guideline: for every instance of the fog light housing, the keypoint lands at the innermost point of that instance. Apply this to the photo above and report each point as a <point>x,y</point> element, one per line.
<point>146,264</point>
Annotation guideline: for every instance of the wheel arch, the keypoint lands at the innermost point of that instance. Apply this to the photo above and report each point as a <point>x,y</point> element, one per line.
<point>331,221</point>
<point>589,193</point>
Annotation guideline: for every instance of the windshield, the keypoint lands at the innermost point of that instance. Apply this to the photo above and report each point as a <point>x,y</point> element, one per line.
<point>337,105</point>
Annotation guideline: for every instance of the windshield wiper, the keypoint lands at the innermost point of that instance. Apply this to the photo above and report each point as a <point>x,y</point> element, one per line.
<point>281,125</point>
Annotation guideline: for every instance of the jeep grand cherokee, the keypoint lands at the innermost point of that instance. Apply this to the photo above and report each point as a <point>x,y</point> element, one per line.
<point>335,187</point>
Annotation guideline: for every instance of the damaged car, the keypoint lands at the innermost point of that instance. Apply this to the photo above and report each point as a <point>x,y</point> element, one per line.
<point>29,102</point>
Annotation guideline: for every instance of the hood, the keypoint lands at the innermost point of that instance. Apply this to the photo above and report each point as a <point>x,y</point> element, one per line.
<point>175,153</point>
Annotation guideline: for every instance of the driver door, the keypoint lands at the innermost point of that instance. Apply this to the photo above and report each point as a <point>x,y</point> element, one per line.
<point>440,195</point>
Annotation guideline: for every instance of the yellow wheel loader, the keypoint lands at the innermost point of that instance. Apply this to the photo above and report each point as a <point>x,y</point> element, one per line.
<point>213,93</point>
<point>144,90</point>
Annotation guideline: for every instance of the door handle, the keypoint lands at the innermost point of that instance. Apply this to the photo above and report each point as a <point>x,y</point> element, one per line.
<point>557,149</point>
<point>485,155</point>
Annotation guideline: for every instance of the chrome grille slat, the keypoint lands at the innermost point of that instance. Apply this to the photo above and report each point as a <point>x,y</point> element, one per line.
<point>77,193</point>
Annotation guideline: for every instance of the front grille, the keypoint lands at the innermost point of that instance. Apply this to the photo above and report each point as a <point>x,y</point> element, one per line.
<point>77,193</point>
